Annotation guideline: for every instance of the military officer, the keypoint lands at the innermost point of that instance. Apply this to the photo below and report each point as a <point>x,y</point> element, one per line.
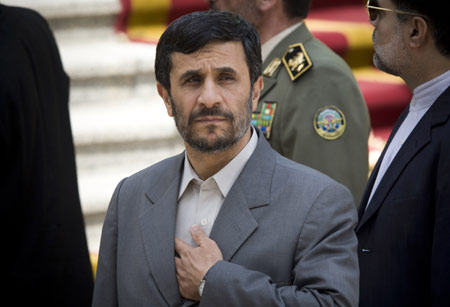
<point>311,109</point>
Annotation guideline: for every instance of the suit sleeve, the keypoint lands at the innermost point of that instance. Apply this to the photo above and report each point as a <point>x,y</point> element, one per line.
<point>325,272</point>
<point>105,290</point>
<point>440,265</point>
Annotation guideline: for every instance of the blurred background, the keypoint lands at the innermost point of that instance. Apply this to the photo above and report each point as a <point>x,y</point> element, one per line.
<point>119,122</point>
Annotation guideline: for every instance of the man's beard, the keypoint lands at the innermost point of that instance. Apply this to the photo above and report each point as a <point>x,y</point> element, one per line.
<point>231,135</point>
<point>387,57</point>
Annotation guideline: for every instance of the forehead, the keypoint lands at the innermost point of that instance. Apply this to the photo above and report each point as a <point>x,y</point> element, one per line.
<point>212,55</point>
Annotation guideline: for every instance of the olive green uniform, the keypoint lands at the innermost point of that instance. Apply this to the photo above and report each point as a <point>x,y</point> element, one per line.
<point>316,114</point>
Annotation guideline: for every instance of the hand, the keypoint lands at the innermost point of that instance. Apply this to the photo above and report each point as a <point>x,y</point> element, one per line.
<point>195,262</point>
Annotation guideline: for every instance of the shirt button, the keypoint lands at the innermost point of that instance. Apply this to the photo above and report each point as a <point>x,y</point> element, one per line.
<point>204,222</point>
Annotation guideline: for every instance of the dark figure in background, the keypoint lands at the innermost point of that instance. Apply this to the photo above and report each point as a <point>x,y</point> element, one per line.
<point>44,249</point>
<point>404,227</point>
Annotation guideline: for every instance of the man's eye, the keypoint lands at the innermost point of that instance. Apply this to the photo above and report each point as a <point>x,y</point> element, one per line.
<point>192,80</point>
<point>227,77</point>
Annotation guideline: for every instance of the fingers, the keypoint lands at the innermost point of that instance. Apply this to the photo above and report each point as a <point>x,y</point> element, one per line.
<point>181,247</point>
<point>198,235</point>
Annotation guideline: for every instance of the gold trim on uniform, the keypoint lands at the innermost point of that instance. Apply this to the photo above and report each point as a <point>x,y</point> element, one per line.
<point>296,60</point>
<point>272,67</point>
<point>329,122</point>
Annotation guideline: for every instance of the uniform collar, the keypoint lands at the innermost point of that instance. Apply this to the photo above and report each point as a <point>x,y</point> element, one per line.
<point>268,46</point>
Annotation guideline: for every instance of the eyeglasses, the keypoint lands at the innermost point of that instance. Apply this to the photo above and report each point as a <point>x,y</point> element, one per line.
<point>375,10</point>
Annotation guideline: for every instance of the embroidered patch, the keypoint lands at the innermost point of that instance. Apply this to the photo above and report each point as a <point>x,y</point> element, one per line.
<point>272,67</point>
<point>296,60</point>
<point>263,120</point>
<point>329,122</point>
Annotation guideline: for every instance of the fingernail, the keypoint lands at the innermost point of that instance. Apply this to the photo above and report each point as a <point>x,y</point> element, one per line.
<point>195,227</point>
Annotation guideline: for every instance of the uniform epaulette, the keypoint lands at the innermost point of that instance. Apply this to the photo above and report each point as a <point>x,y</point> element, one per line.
<point>296,60</point>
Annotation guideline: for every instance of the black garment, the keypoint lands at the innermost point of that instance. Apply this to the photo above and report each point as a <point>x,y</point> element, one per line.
<point>404,235</point>
<point>44,249</point>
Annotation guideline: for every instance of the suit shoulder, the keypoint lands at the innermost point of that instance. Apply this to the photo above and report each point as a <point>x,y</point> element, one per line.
<point>325,58</point>
<point>307,178</point>
<point>152,174</point>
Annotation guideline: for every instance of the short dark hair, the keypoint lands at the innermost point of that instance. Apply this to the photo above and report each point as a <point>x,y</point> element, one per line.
<point>435,15</point>
<point>296,8</point>
<point>193,31</point>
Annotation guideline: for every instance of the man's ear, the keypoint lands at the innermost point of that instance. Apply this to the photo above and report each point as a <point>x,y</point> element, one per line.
<point>418,31</point>
<point>166,98</point>
<point>256,92</point>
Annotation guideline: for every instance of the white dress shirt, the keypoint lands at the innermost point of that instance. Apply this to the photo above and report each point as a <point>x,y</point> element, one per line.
<point>423,98</point>
<point>268,46</point>
<point>199,201</point>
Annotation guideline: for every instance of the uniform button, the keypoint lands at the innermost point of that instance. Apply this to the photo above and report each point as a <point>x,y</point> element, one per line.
<point>366,250</point>
<point>204,222</point>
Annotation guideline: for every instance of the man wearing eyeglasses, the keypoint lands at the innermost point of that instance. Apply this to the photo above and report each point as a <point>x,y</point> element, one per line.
<point>404,227</point>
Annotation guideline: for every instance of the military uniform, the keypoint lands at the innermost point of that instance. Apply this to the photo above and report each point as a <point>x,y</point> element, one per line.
<point>311,110</point>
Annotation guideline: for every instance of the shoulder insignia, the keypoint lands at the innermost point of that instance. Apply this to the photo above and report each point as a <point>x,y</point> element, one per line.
<point>272,67</point>
<point>296,60</point>
<point>329,122</point>
<point>263,120</point>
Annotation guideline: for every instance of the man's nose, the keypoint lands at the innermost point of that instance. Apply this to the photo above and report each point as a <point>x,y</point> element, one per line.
<point>210,94</point>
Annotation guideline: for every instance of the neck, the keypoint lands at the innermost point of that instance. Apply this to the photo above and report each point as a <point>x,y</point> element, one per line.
<point>208,164</point>
<point>425,67</point>
<point>273,25</point>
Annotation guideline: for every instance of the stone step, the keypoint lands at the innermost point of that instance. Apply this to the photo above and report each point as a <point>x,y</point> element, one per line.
<point>120,122</point>
<point>69,8</point>
<point>109,69</point>
<point>73,20</point>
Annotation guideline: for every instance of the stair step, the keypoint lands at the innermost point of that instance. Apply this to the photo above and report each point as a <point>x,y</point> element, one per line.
<point>115,122</point>
<point>110,69</point>
<point>69,8</point>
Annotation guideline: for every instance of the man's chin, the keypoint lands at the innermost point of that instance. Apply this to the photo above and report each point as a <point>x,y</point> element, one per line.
<point>211,143</point>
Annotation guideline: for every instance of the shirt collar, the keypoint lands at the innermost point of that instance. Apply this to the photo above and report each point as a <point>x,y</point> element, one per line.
<point>268,46</point>
<point>226,177</point>
<point>427,93</point>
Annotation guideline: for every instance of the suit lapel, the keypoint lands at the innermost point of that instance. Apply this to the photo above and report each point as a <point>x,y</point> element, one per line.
<point>158,230</point>
<point>419,138</point>
<point>374,174</point>
<point>235,222</point>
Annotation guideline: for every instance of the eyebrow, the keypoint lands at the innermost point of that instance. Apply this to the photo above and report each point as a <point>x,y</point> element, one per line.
<point>194,72</point>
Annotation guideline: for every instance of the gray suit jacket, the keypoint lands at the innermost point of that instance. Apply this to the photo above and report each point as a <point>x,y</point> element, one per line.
<point>285,231</point>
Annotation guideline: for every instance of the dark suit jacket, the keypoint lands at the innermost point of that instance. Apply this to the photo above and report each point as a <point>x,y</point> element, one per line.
<point>285,232</point>
<point>404,236</point>
<point>44,254</point>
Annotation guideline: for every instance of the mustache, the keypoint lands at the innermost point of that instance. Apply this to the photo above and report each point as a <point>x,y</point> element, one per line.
<point>214,111</point>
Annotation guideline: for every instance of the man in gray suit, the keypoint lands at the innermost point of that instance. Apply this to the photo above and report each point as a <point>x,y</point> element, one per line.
<point>229,222</point>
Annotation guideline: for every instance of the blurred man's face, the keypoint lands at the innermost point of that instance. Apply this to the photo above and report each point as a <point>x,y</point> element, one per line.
<point>246,8</point>
<point>390,51</point>
<point>211,97</point>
